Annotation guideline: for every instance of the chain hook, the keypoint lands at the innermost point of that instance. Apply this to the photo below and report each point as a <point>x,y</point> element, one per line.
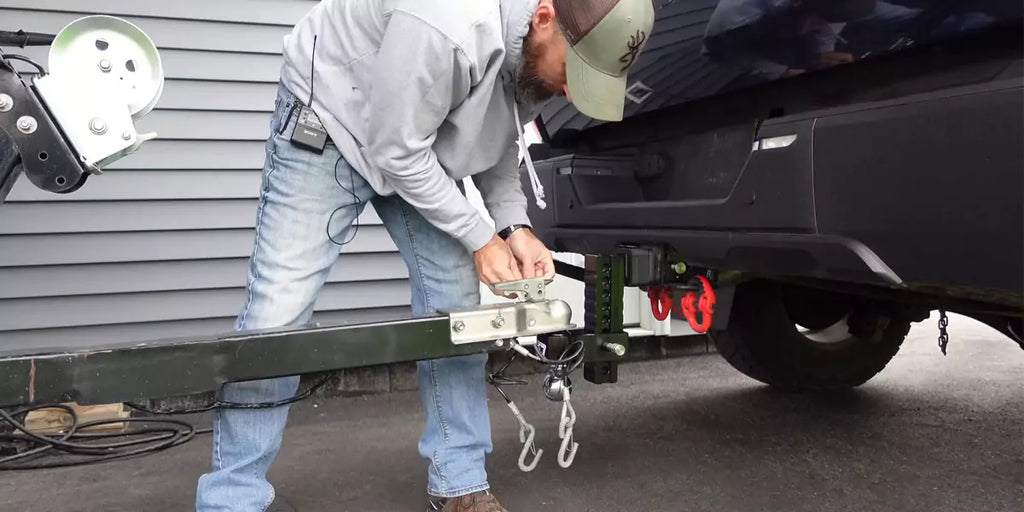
<point>526,436</point>
<point>566,455</point>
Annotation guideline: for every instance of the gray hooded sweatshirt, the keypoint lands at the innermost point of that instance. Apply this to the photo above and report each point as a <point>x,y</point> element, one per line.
<point>418,95</point>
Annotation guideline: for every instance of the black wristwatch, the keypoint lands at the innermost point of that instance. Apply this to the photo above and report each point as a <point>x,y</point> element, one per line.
<point>505,233</point>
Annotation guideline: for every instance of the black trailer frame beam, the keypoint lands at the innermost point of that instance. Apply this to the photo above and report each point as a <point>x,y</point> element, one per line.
<point>168,368</point>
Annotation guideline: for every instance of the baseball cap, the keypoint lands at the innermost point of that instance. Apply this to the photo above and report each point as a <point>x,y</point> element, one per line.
<point>605,39</point>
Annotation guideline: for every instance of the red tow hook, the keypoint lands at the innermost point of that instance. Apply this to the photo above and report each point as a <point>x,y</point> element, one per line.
<point>706,306</point>
<point>661,301</point>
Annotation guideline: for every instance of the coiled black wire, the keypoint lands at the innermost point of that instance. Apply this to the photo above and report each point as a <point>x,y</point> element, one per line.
<point>560,367</point>
<point>13,56</point>
<point>77,448</point>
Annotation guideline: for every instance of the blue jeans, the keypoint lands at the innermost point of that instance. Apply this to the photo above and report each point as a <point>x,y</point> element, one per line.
<point>307,206</point>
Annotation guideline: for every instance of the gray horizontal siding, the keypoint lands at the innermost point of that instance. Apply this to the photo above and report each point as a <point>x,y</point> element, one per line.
<point>167,34</point>
<point>205,65</point>
<point>79,310</point>
<point>107,216</point>
<point>126,185</point>
<point>195,154</point>
<point>85,336</point>
<point>70,249</point>
<point>217,96</point>
<point>158,245</point>
<point>250,12</point>
<point>140,277</point>
<point>192,125</point>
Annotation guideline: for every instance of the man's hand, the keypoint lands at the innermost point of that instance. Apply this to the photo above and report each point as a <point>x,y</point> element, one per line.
<point>495,262</point>
<point>533,257</point>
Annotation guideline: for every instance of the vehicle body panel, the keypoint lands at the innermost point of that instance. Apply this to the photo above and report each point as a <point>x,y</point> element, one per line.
<point>903,170</point>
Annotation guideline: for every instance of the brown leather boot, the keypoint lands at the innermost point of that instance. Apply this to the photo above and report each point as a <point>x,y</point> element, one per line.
<point>482,501</point>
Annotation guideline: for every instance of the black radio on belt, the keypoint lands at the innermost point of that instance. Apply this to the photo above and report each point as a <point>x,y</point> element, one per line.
<point>309,132</point>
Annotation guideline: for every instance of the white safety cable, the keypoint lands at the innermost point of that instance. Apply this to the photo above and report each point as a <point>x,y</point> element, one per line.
<point>526,436</point>
<point>567,454</point>
<point>524,152</point>
<point>525,352</point>
<point>527,432</point>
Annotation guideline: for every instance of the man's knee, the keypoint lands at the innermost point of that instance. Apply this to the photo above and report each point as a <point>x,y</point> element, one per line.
<point>264,390</point>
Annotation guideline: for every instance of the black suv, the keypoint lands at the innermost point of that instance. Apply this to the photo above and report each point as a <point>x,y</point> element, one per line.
<point>846,167</point>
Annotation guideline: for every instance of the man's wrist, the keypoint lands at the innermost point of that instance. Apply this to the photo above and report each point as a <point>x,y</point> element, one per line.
<point>478,236</point>
<point>507,232</point>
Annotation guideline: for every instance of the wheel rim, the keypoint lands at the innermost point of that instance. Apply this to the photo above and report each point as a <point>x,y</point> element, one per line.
<point>834,335</point>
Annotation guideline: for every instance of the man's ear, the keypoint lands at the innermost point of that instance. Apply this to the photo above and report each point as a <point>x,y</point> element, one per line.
<point>544,20</point>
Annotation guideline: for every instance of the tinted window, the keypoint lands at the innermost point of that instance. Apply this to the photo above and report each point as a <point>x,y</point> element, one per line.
<point>700,48</point>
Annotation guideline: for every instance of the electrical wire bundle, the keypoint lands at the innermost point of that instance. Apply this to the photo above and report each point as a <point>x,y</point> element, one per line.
<point>220,404</point>
<point>570,358</point>
<point>559,368</point>
<point>76,447</point>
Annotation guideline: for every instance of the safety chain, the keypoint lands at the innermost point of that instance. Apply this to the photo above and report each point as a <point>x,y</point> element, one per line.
<point>567,451</point>
<point>557,387</point>
<point>943,335</point>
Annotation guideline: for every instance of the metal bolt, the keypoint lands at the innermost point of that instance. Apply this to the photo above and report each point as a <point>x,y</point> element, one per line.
<point>6,103</point>
<point>127,135</point>
<point>532,322</point>
<point>679,268</point>
<point>459,326</point>
<point>615,348</point>
<point>498,322</point>
<point>97,126</point>
<point>499,343</point>
<point>27,124</point>
<point>105,66</point>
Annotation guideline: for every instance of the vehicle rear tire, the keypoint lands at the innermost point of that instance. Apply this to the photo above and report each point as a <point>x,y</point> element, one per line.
<point>799,339</point>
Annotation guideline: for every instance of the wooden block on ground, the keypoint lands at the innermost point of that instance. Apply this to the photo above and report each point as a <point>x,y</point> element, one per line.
<point>53,421</point>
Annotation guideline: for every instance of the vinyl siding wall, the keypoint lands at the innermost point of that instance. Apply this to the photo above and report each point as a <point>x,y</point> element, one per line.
<point>158,245</point>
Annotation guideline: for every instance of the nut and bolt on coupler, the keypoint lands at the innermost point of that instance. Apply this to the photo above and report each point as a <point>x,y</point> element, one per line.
<point>459,326</point>
<point>6,103</point>
<point>27,125</point>
<point>499,343</point>
<point>498,322</point>
<point>615,348</point>
<point>97,126</point>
